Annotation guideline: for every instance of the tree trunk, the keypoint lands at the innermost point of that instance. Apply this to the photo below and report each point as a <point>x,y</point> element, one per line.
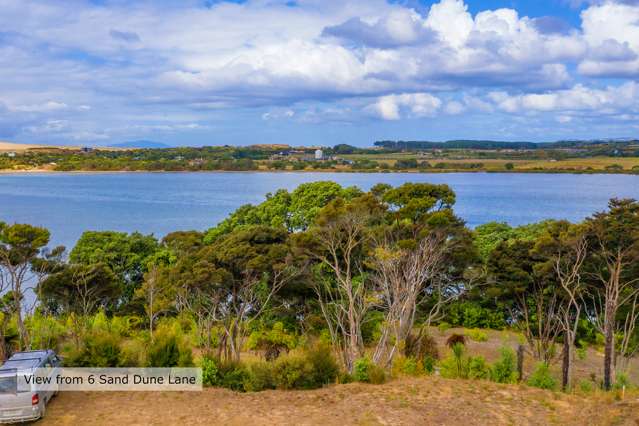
<point>609,334</point>
<point>566,365</point>
<point>24,344</point>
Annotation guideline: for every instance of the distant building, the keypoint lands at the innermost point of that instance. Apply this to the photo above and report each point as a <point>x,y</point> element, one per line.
<point>319,154</point>
<point>86,149</point>
<point>11,154</point>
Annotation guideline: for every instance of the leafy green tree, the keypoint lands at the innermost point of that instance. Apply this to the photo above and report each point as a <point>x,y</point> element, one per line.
<point>23,259</point>
<point>234,281</point>
<point>532,297</point>
<point>81,289</point>
<point>613,269</point>
<point>125,254</point>
<point>293,211</point>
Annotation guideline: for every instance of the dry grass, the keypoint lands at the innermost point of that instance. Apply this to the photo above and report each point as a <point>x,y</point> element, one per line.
<point>405,401</point>
<point>578,164</point>
<point>429,400</point>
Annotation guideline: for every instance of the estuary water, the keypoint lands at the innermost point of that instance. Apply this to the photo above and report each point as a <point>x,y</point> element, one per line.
<point>159,203</point>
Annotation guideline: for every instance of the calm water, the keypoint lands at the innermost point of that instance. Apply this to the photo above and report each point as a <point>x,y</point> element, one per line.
<point>158,203</point>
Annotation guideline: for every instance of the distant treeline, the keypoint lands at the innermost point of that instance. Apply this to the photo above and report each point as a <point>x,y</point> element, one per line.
<point>491,145</point>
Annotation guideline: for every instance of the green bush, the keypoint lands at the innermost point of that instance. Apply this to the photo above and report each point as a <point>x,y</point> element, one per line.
<point>429,364</point>
<point>409,366</point>
<point>325,366</point>
<point>477,335</point>
<point>366,371</point>
<point>582,353</point>
<point>478,368</point>
<point>168,351</point>
<point>541,378</point>
<point>96,350</point>
<point>233,376</point>
<point>293,372</point>
<point>210,376</point>
<point>260,377</point>
<point>273,341</point>
<point>473,315</point>
<point>455,366</point>
<point>586,386</point>
<point>505,369</point>
<point>622,381</point>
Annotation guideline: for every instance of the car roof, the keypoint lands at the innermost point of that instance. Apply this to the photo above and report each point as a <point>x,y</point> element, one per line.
<point>25,360</point>
<point>31,354</point>
<point>20,364</point>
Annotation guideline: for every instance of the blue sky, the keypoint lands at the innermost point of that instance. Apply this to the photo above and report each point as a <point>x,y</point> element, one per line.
<point>317,72</point>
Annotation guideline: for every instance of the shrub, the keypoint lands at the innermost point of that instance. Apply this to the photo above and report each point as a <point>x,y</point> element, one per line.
<point>45,332</point>
<point>273,342</point>
<point>478,368</point>
<point>622,381</point>
<point>429,364</point>
<point>167,351</point>
<point>505,369</point>
<point>586,386</point>
<point>260,377</point>
<point>233,376</point>
<point>582,352</point>
<point>477,335</point>
<point>366,371</point>
<point>96,350</point>
<point>406,365</point>
<point>541,377</point>
<point>293,372</point>
<point>420,345</point>
<point>132,353</point>
<point>324,365</point>
<point>210,376</point>
<point>455,366</point>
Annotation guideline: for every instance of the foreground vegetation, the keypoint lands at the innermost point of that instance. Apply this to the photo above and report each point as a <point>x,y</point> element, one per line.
<point>406,401</point>
<point>387,156</point>
<point>328,284</point>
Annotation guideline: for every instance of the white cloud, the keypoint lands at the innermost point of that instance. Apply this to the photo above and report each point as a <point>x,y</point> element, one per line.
<point>415,104</point>
<point>578,98</point>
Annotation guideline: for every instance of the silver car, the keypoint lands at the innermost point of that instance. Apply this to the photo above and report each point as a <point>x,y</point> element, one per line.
<point>20,405</point>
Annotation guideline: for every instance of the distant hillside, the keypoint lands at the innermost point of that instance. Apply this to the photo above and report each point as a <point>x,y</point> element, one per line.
<point>141,144</point>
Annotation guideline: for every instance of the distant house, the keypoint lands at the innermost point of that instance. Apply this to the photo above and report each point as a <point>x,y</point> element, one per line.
<point>86,149</point>
<point>319,154</point>
<point>11,154</point>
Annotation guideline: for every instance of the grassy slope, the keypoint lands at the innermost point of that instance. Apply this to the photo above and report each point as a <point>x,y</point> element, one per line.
<point>427,400</point>
<point>409,401</point>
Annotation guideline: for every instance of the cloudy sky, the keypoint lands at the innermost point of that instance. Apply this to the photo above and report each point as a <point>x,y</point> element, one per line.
<point>306,72</point>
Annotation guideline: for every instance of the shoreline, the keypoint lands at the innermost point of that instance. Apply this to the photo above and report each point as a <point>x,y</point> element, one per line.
<point>97,172</point>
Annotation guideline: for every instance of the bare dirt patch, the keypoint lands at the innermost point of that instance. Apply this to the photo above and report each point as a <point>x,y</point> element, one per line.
<point>429,400</point>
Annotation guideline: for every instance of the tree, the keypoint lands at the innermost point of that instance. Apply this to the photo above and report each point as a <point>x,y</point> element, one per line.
<point>530,294</point>
<point>563,249</point>
<point>337,243</point>
<point>125,254</point>
<point>234,280</point>
<point>419,259</point>
<point>613,269</point>
<point>157,292</point>
<point>294,211</point>
<point>21,246</point>
<point>81,289</point>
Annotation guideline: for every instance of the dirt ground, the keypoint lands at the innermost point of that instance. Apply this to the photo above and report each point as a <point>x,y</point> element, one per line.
<point>426,400</point>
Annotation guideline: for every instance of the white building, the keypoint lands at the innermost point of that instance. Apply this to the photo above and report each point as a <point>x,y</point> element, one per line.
<point>319,154</point>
